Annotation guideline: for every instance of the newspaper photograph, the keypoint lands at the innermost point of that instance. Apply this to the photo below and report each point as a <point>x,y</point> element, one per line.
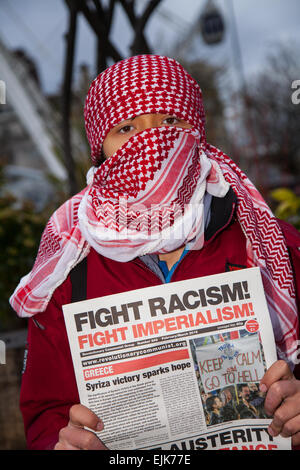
<point>177,366</point>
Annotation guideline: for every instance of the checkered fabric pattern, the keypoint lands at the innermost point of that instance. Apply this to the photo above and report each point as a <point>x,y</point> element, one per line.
<point>155,84</point>
<point>163,175</point>
<point>140,85</point>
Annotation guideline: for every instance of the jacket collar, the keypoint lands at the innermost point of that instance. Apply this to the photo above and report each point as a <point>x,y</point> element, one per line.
<point>221,214</point>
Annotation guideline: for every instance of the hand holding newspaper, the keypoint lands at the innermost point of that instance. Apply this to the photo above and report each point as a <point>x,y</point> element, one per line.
<point>177,367</point>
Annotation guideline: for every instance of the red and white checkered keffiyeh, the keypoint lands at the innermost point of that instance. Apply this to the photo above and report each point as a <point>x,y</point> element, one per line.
<point>148,197</point>
<point>135,86</point>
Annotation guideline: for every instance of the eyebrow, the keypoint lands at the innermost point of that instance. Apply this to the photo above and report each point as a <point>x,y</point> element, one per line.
<point>125,120</point>
<point>128,119</point>
<point>133,117</point>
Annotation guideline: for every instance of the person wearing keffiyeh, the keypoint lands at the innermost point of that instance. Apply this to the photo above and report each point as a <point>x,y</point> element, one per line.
<point>151,198</point>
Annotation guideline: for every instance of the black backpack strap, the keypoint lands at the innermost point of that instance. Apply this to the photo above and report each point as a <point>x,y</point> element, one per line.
<point>78,276</point>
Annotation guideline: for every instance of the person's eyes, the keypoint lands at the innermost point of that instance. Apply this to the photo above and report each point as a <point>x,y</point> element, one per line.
<point>125,129</point>
<point>171,120</point>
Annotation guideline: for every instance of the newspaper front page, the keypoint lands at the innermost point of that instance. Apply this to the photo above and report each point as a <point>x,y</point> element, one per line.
<point>177,366</point>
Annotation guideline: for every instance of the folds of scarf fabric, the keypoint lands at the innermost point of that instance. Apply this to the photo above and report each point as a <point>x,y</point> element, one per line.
<point>63,245</point>
<point>163,208</point>
<point>266,248</point>
<point>61,248</point>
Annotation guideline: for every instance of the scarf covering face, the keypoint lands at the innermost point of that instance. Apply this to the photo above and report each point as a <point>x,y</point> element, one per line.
<point>148,197</point>
<point>156,84</point>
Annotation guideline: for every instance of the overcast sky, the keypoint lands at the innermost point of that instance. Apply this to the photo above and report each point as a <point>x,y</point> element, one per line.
<point>39,25</point>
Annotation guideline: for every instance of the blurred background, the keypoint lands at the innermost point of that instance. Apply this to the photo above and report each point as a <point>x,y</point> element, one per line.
<point>243,53</point>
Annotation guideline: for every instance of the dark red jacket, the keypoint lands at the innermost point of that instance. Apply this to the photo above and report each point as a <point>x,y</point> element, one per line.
<point>48,384</point>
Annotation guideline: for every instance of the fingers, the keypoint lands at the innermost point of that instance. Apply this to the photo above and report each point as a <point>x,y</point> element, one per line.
<point>291,427</point>
<point>81,416</point>
<point>286,420</point>
<point>275,375</point>
<point>75,437</point>
<point>278,371</point>
<point>277,393</point>
<point>78,438</point>
<point>65,446</point>
<point>282,401</point>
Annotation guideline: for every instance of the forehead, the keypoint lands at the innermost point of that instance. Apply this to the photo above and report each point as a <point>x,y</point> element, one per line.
<point>140,85</point>
<point>143,116</point>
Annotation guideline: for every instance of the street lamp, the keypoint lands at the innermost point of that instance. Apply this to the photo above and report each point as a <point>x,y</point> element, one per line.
<point>211,24</point>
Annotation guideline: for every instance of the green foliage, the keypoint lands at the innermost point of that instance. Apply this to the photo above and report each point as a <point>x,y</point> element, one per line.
<point>20,231</point>
<point>288,206</point>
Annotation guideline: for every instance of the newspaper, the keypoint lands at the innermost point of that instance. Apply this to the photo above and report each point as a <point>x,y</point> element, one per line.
<point>177,366</point>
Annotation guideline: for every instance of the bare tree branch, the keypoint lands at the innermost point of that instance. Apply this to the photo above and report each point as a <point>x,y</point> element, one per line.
<point>103,41</point>
<point>98,25</point>
<point>147,13</point>
<point>129,10</point>
<point>67,99</point>
<point>140,44</point>
<point>110,12</point>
